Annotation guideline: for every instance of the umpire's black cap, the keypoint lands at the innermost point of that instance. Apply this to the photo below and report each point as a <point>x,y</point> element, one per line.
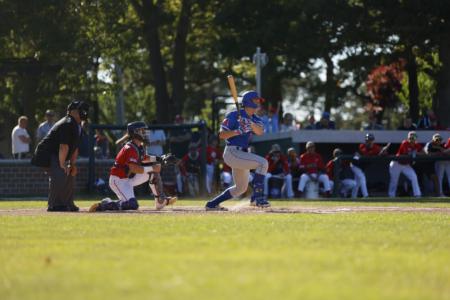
<point>81,106</point>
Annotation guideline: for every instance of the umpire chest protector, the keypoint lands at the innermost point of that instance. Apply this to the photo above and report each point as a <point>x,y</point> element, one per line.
<point>65,131</point>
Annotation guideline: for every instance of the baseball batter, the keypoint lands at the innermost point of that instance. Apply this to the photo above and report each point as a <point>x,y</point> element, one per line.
<point>237,129</point>
<point>128,172</point>
<point>407,147</point>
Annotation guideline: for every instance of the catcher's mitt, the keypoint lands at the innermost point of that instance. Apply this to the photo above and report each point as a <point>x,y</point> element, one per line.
<point>168,159</point>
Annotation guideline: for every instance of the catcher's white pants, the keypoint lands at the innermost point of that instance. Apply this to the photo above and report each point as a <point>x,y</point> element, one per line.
<point>347,186</point>
<point>442,168</point>
<point>124,187</point>
<point>361,182</point>
<point>241,163</point>
<point>287,184</point>
<point>305,178</point>
<point>395,169</point>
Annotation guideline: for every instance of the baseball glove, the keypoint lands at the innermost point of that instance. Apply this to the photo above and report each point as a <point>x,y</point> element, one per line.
<point>168,159</point>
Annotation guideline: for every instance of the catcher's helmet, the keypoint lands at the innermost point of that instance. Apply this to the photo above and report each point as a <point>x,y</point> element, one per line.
<point>370,137</point>
<point>136,130</point>
<point>81,106</point>
<point>247,99</point>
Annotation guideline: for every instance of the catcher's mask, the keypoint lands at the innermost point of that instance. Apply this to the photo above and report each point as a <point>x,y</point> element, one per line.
<point>136,130</point>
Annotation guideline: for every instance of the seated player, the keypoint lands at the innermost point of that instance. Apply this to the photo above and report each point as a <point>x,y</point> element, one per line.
<point>437,147</point>
<point>411,148</point>
<point>213,156</point>
<point>190,168</point>
<point>128,171</point>
<point>314,168</point>
<point>346,176</point>
<point>278,168</point>
<point>369,148</point>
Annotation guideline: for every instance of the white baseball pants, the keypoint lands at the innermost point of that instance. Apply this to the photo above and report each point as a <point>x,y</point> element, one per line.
<point>124,187</point>
<point>361,181</point>
<point>442,168</point>
<point>287,184</point>
<point>395,169</point>
<point>305,178</point>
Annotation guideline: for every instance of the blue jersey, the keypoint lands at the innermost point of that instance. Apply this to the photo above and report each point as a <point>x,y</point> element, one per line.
<point>231,122</point>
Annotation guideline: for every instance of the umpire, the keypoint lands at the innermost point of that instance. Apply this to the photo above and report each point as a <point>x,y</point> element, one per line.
<point>57,153</point>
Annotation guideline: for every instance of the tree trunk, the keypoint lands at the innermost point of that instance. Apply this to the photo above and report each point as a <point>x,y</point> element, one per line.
<point>148,12</point>
<point>413,86</point>
<point>179,58</point>
<point>442,100</point>
<point>330,84</point>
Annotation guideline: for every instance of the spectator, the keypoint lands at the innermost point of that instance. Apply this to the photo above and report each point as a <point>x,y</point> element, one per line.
<point>101,147</point>
<point>57,153</point>
<point>444,168</point>
<point>190,170</point>
<point>213,156</point>
<point>314,169</point>
<point>45,126</point>
<point>287,124</point>
<point>346,176</point>
<point>437,147</point>
<point>20,139</point>
<point>278,168</point>
<point>157,140</point>
<point>311,122</point>
<point>369,148</point>
<point>373,125</point>
<point>427,120</point>
<point>325,122</point>
<point>179,138</point>
<point>273,117</point>
<point>407,147</point>
<point>294,164</point>
<point>407,124</point>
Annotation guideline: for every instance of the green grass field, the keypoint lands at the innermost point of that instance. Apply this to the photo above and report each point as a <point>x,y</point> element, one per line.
<point>355,255</point>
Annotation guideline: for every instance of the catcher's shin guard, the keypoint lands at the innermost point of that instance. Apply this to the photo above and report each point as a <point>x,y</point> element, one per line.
<point>156,186</point>
<point>258,191</point>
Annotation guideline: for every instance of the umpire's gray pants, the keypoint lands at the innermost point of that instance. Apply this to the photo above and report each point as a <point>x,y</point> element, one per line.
<point>242,162</point>
<point>61,186</point>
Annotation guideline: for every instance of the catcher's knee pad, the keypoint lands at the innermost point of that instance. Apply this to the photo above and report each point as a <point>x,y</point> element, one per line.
<point>130,204</point>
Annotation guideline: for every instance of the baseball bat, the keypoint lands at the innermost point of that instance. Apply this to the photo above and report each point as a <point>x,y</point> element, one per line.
<point>233,91</point>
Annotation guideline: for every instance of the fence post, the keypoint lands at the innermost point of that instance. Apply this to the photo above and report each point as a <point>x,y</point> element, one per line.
<point>204,142</point>
<point>91,166</point>
<point>336,179</point>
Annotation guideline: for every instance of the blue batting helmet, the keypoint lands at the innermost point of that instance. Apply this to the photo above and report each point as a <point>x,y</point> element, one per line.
<point>136,130</point>
<point>247,99</point>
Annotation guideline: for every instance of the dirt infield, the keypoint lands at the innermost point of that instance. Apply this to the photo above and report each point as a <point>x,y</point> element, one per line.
<point>240,209</point>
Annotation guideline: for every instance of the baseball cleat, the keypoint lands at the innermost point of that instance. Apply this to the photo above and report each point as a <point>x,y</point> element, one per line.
<point>94,207</point>
<point>171,200</point>
<point>263,203</point>
<point>252,203</point>
<point>215,208</point>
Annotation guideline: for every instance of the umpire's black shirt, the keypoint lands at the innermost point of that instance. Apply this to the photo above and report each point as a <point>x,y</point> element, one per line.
<point>65,131</point>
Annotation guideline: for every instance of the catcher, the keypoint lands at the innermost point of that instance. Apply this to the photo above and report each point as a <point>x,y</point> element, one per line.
<point>132,167</point>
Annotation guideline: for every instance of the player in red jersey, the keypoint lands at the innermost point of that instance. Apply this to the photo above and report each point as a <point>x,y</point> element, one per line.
<point>128,171</point>
<point>369,148</point>
<point>312,163</point>
<point>278,168</point>
<point>213,156</point>
<point>411,148</point>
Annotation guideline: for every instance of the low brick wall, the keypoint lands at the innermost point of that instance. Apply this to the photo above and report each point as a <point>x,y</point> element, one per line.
<point>20,178</point>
